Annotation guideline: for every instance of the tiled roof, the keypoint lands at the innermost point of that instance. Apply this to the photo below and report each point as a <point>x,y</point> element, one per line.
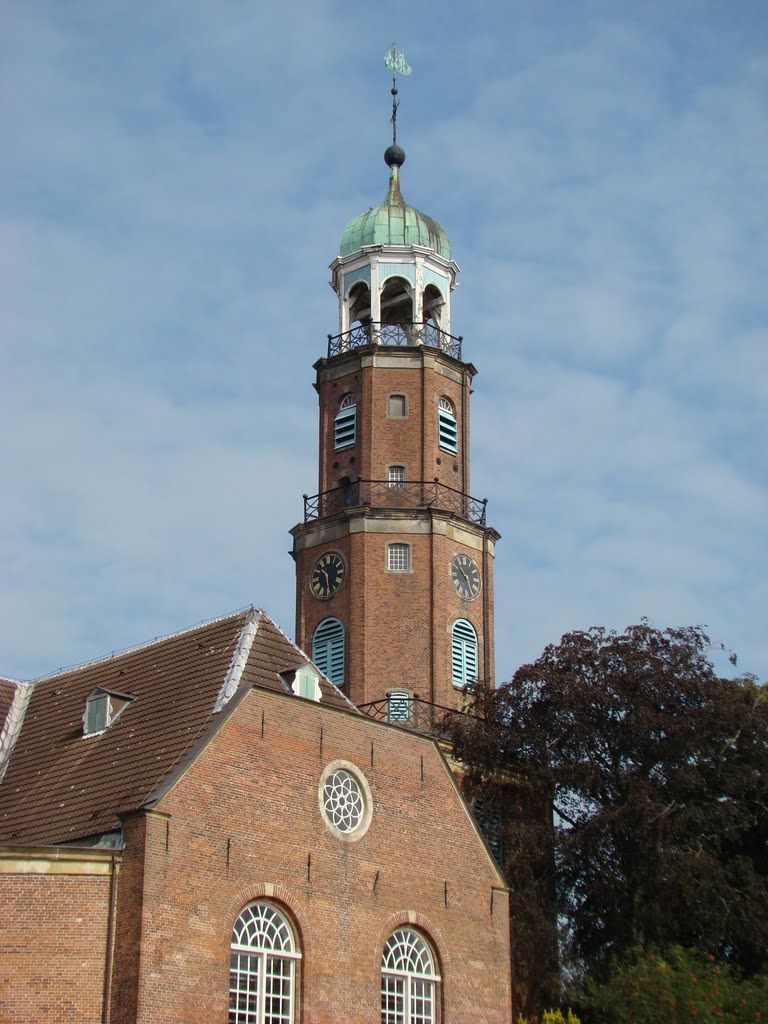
<point>61,786</point>
<point>7,690</point>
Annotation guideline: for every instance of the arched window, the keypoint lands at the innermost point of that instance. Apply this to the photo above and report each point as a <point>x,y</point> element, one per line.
<point>345,424</point>
<point>463,652</point>
<point>262,967</point>
<point>328,649</point>
<point>447,428</point>
<point>408,980</point>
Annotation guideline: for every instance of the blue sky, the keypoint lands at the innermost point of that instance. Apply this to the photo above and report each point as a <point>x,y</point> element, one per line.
<point>176,176</point>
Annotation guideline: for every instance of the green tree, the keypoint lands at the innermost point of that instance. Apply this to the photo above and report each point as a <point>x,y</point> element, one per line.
<point>679,985</point>
<point>632,788</point>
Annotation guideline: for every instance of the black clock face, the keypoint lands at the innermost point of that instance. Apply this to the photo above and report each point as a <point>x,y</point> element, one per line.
<point>465,577</point>
<point>328,574</point>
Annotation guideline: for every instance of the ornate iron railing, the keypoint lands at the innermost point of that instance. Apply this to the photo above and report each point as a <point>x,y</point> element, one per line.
<point>425,333</point>
<point>411,712</point>
<point>401,494</point>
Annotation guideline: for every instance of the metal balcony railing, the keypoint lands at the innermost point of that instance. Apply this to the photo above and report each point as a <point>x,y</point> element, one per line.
<point>409,335</point>
<point>402,708</point>
<point>401,494</point>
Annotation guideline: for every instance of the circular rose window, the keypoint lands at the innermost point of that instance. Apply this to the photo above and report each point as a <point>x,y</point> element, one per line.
<point>345,800</point>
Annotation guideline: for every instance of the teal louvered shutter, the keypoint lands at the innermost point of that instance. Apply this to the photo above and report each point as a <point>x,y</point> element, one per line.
<point>345,423</point>
<point>447,428</point>
<point>328,649</point>
<point>463,652</point>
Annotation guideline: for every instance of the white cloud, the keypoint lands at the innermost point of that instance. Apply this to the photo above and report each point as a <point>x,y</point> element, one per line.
<point>177,179</point>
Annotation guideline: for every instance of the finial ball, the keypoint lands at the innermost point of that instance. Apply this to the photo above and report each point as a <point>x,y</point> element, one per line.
<point>394,156</point>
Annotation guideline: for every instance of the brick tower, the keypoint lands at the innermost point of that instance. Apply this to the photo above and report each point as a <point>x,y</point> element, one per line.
<point>394,560</point>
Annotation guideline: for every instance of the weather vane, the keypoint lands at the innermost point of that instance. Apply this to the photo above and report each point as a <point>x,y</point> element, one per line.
<point>397,64</point>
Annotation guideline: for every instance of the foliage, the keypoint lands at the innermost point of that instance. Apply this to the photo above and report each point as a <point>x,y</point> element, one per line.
<point>632,783</point>
<point>681,986</point>
<point>552,1017</point>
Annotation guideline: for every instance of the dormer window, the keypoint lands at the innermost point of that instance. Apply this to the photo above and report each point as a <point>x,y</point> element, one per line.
<point>306,683</point>
<point>303,681</point>
<point>102,709</point>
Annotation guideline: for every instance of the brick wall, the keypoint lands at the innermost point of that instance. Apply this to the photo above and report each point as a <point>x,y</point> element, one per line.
<point>54,929</point>
<point>244,822</point>
<point>423,376</point>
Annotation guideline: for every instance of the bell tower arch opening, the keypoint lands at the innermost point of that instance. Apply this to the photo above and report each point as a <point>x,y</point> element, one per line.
<point>397,302</point>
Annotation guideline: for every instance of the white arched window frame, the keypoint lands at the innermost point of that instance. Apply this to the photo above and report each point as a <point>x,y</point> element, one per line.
<point>328,649</point>
<point>447,427</point>
<point>345,423</point>
<point>262,967</point>
<point>408,980</point>
<point>463,652</point>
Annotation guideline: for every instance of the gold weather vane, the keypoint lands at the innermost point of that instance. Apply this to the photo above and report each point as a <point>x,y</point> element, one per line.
<point>397,64</point>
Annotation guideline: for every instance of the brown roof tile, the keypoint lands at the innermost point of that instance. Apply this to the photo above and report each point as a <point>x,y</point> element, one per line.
<point>61,786</point>
<point>7,690</point>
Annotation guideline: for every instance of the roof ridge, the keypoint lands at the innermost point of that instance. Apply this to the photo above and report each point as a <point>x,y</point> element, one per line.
<point>138,647</point>
<point>14,720</point>
<point>239,659</point>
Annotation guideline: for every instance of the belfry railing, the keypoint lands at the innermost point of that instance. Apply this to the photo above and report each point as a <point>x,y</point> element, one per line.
<point>400,494</point>
<point>411,712</point>
<point>404,334</point>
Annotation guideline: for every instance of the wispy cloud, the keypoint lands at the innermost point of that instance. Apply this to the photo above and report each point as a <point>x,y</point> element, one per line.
<point>175,182</point>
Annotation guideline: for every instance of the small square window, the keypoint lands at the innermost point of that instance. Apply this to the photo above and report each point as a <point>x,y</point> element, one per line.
<point>397,407</point>
<point>398,557</point>
<point>396,478</point>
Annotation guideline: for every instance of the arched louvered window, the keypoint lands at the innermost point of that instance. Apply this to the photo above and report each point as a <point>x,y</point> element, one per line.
<point>463,652</point>
<point>328,649</point>
<point>408,980</point>
<point>345,424</point>
<point>447,427</point>
<point>262,967</point>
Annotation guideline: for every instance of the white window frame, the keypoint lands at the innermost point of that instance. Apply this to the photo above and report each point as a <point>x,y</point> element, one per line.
<point>102,709</point>
<point>360,794</point>
<point>447,425</point>
<point>345,423</point>
<point>306,683</point>
<point>464,653</point>
<point>398,557</point>
<point>251,963</point>
<point>408,979</point>
<point>396,477</point>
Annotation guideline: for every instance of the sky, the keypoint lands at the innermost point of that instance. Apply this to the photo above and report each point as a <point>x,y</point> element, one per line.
<point>175,178</point>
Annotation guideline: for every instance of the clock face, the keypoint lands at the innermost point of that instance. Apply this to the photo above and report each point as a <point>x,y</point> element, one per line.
<point>328,574</point>
<point>465,577</point>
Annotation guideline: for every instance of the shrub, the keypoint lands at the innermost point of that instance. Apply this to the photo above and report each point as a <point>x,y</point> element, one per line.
<point>677,986</point>
<point>552,1017</point>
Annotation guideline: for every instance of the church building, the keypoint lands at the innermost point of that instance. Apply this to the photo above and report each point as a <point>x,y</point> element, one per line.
<point>225,825</point>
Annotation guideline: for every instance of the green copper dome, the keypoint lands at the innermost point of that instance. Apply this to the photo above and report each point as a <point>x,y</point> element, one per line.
<point>394,222</point>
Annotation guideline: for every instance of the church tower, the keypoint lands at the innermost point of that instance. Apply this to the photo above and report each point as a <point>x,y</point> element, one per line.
<point>394,558</point>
